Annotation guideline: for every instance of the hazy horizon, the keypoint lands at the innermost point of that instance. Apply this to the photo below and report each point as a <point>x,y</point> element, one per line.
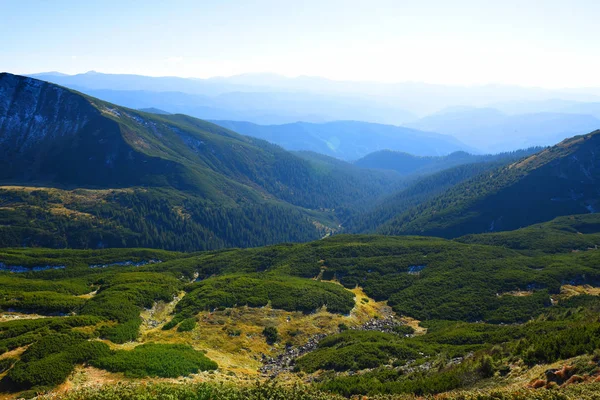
<point>465,43</point>
<point>291,77</point>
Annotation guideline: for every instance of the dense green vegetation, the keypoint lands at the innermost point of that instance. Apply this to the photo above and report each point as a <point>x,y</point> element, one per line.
<point>560,235</point>
<point>43,302</point>
<point>18,333</point>
<point>561,180</point>
<point>417,193</point>
<point>484,299</point>
<point>158,218</point>
<point>49,361</point>
<point>566,331</point>
<point>121,298</point>
<point>186,325</point>
<point>259,391</point>
<point>162,181</point>
<point>156,360</point>
<point>452,280</point>
<point>201,391</point>
<point>258,290</point>
<point>355,350</point>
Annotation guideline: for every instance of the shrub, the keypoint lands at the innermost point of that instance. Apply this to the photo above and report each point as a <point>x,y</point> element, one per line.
<point>6,363</point>
<point>403,330</point>
<point>156,360</point>
<point>187,325</point>
<point>50,360</point>
<point>172,323</point>
<point>356,350</point>
<point>49,371</point>
<point>271,335</point>
<point>122,333</point>
<point>257,290</point>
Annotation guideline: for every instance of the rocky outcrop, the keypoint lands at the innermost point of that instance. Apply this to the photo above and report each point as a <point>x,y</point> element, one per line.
<point>284,362</point>
<point>32,111</point>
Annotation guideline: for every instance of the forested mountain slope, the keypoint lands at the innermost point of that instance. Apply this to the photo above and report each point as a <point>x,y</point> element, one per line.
<point>422,184</point>
<point>179,175</point>
<point>559,180</point>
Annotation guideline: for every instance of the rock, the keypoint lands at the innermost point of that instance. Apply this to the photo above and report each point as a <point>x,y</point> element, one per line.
<point>538,383</point>
<point>285,361</point>
<point>574,379</point>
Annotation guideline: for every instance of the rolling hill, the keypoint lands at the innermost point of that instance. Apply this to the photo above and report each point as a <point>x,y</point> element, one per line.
<point>559,180</point>
<point>174,173</point>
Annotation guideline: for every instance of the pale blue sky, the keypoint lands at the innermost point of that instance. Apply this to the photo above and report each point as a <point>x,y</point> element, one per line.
<point>551,43</point>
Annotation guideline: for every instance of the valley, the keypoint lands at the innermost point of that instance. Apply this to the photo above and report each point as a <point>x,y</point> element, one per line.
<point>529,291</point>
<point>156,255</point>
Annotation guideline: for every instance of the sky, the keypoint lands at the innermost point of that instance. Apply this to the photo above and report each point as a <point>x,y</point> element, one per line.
<point>544,43</point>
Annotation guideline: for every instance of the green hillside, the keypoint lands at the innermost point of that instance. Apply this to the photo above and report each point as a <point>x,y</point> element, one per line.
<point>106,314</point>
<point>560,180</point>
<point>168,181</point>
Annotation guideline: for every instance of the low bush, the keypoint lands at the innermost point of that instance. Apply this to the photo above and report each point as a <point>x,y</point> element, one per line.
<point>187,325</point>
<point>271,335</point>
<point>50,360</point>
<point>258,290</point>
<point>156,360</point>
<point>355,350</point>
<point>6,363</point>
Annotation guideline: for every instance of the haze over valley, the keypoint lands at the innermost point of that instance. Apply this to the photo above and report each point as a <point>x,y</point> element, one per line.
<point>485,119</point>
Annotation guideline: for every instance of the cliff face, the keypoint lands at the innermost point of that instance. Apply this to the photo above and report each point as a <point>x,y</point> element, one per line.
<point>32,111</point>
<point>49,134</point>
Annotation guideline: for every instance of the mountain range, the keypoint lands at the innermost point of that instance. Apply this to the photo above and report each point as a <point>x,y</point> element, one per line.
<point>207,177</point>
<point>419,99</point>
<point>407,164</point>
<point>349,140</point>
<point>189,182</point>
<point>231,99</point>
<point>493,131</point>
<point>483,308</point>
<point>487,119</point>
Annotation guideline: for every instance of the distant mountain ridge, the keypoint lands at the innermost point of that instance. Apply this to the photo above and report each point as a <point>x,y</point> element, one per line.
<point>231,98</point>
<point>407,164</point>
<point>349,140</point>
<point>488,118</point>
<point>493,131</point>
<point>417,98</point>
